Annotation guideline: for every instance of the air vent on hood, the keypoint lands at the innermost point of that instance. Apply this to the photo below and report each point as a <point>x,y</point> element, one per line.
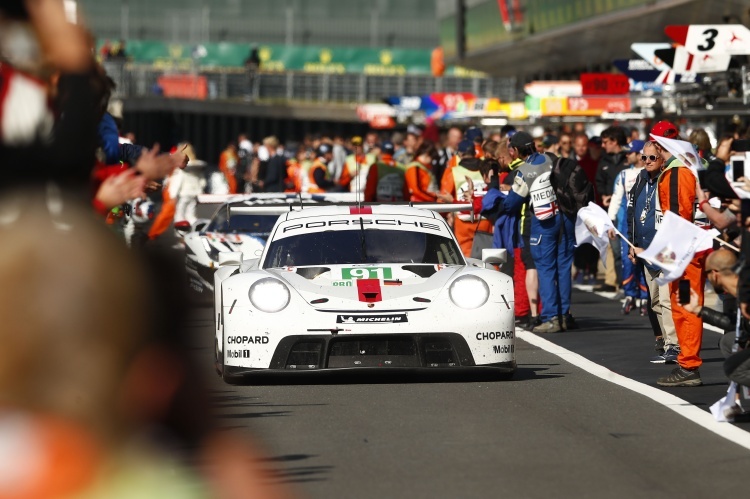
<point>312,272</point>
<point>421,270</point>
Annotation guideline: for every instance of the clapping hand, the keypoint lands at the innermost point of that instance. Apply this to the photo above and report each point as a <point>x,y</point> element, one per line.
<point>155,166</point>
<point>120,188</point>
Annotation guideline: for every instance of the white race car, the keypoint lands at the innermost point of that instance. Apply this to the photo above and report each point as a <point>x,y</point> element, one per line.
<point>224,232</point>
<point>228,231</point>
<point>378,287</point>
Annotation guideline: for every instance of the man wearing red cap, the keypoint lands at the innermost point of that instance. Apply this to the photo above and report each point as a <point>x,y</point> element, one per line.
<point>677,192</point>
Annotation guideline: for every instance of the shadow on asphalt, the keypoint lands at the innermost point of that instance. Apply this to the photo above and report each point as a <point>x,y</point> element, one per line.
<point>244,415</point>
<point>386,376</point>
<point>295,474</point>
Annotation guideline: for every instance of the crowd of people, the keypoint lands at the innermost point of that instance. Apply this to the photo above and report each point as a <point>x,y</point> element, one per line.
<point>525,193</point>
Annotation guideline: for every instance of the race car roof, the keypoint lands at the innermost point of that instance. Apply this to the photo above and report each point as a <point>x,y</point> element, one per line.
<point>393,210</point>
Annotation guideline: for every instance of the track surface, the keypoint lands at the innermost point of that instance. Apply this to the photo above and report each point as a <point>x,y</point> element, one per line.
<point>554,431</point>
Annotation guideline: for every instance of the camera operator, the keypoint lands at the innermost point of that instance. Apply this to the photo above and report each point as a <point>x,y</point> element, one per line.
<point>721,271</point>
<point>713,178</point>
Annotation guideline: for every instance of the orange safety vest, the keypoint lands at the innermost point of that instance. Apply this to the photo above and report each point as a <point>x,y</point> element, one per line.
<point>421,182</point>
<point>312,187</point>
<point>293,175</point>
<point>227,163</point>
<point>386,182</point>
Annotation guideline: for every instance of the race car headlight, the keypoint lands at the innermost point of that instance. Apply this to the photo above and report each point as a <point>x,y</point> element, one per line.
<point>469,292</point>
<point>269,295</point>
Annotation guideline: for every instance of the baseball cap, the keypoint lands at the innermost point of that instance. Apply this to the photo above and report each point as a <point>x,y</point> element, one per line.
<point>596,140</point>
<point>473,133</point>
<point>665,129</point>
<point>387,147</point>
<point>324,149</point>
<point>521,139</point>
<point>465,146</point>
<point>634,146</point>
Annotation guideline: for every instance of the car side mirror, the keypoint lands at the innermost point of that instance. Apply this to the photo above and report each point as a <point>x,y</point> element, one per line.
<point>230,258</point>
<point>182,226</point>
<point>495,256</point>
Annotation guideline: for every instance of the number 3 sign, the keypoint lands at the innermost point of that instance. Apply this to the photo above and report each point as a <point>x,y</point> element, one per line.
<point>711,39</point>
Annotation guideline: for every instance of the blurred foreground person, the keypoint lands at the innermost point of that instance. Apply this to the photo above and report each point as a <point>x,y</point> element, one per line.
<point>93,403</point>
<point>45,60</point>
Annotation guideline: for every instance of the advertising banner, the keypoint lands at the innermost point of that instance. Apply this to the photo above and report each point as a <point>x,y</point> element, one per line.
<point>278,57</point>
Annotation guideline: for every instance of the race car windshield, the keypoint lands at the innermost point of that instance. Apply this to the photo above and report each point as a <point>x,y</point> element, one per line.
<point>254,225</point>
<point>368,246</point>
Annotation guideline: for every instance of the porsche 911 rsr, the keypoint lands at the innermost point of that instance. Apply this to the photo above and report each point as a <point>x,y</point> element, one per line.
<point>353,288</point>
<point>225,232</point>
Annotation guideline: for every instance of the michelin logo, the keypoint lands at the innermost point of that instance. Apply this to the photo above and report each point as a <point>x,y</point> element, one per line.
<point>371,319</point>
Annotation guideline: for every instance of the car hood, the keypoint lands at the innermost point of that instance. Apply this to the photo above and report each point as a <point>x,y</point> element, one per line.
<point>362,287</point>
<point>245,243</point>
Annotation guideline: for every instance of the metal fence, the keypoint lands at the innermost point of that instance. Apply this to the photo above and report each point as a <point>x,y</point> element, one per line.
<point>138,81</point>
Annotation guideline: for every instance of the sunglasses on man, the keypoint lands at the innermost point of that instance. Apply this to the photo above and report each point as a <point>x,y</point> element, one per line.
<point>651,158</point>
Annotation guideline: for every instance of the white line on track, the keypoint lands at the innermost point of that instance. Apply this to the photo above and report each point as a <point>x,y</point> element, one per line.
<point>680,406</point>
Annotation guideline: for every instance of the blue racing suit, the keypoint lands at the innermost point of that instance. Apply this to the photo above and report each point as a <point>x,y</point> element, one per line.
<point>552,240</point>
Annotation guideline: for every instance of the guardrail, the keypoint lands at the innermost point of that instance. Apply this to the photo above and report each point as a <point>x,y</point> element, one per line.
<point>141,80</point>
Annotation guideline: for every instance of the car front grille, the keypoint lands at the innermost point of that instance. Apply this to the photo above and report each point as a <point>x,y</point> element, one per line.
<point>418,350</point>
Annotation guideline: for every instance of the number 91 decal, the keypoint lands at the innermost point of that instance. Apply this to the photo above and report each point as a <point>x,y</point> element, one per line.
<point>367,273</point>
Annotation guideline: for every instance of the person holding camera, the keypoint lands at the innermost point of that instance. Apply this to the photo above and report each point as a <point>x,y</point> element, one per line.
<point>722,272</point>
<point>677,192</point>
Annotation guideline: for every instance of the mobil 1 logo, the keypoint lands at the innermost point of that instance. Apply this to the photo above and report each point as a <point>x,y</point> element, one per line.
<point>238,354</point>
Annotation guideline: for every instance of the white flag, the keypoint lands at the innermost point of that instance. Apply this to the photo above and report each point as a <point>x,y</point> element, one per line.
<point>683,151</point>
<point>592,225</point>
<point>726,407</point>
<point>675,244</point>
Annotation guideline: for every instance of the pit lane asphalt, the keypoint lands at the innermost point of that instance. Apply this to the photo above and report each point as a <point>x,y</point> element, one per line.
<point>554,431</point>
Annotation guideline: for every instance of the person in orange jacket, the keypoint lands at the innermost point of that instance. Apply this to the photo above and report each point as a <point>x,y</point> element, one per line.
<point>294,172</point>
<point>319,178</point>
<point>472,134</point>
<point>358,165</point>
<point>677,192</point>
<point>419,178</point>
<point>454,183</point>
<point>386,180</point>
<point>228,161</point>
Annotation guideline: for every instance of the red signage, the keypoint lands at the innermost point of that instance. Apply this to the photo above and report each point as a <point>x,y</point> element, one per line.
<point>450,102</point>
<point>595,106</point>
<point>382,122</point>
<point>184,86</point>
<point>604,84</point>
